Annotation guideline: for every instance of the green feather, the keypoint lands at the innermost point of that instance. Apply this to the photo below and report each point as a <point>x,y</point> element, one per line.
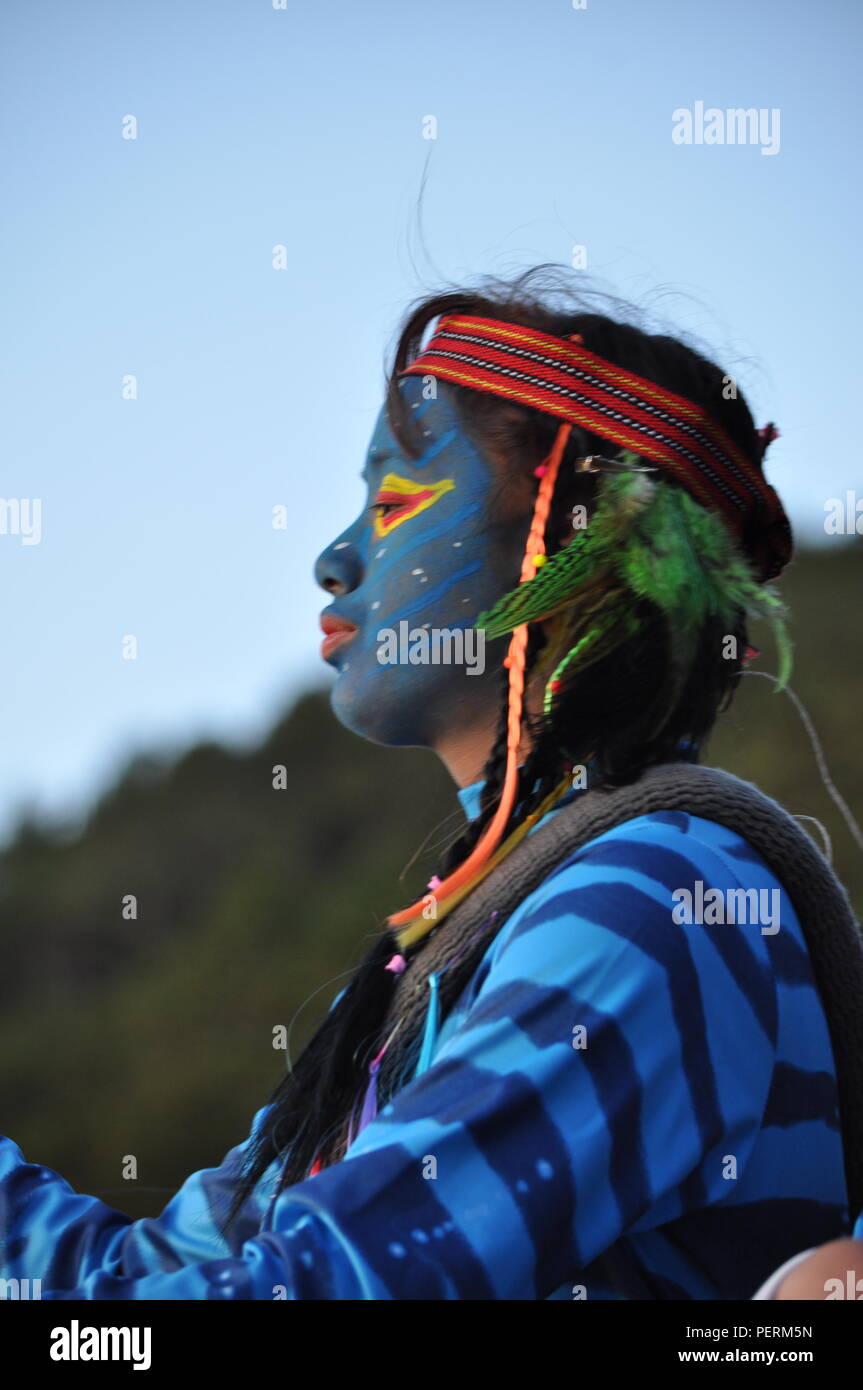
<point>682,558</point>
<point>621,497</point>
<point>646,540</point>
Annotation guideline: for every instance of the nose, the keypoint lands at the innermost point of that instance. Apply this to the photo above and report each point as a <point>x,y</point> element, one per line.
<point>338,569</point>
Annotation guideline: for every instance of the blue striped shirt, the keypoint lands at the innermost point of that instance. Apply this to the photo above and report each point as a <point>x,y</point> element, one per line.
<point>621,1104</point>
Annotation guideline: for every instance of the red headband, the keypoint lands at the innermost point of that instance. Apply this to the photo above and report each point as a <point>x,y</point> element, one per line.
<point>559,377</point>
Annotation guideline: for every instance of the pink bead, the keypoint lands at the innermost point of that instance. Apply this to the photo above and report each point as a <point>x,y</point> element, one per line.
<point>396,965</point>
<point>433,883</point>
<point>541,471</point>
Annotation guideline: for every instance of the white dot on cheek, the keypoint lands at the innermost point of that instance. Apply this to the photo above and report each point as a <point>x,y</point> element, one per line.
<point>455,543</point>
<point>377,603</point>
<point>381,552</point>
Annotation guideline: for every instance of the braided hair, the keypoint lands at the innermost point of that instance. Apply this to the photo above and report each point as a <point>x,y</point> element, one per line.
<point>621,713</point>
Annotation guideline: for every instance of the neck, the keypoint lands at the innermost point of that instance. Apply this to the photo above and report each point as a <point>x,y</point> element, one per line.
<point>464,751</point>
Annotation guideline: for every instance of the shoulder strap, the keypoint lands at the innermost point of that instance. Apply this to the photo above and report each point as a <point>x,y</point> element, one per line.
<point>833,935</point>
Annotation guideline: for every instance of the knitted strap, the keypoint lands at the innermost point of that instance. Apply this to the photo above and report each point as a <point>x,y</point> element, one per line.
<point>562,378</point>
<point>833,935</point>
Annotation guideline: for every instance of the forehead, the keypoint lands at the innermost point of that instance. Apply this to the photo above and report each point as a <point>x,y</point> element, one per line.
<point>436,421</point>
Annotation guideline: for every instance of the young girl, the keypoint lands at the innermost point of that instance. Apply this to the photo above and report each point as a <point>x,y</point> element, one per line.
<point>610,1053</point>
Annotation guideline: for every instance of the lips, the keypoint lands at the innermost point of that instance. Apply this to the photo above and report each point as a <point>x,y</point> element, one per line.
<point>337,631</point>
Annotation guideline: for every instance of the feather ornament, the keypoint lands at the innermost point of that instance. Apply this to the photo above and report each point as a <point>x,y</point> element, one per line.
<point>647,540</point>
<point>622,495</point>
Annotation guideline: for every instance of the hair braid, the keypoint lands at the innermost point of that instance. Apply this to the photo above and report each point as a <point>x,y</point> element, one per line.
<point>495,767</point>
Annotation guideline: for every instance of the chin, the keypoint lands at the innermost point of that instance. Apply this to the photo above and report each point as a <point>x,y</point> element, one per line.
<point>405,707</point>
<point>378,720</point>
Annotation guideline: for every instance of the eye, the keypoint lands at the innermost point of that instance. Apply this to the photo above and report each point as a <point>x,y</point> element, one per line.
<point>399,499</point>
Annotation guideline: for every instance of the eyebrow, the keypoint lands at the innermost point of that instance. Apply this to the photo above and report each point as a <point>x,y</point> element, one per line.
<point>374,465</point>
<point>387,454</point>
<point>426,457</point>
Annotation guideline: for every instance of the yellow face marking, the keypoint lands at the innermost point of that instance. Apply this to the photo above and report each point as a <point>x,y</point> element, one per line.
<point>401,499</point>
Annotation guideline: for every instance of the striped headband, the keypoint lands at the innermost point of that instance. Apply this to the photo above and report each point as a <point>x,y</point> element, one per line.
<point>563,379</point>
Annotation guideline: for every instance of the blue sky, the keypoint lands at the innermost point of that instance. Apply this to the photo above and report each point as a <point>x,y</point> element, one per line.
<point>256,387</point>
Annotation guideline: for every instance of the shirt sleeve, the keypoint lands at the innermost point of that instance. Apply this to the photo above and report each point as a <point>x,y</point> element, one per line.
<point>607,1062</point>
<point>56,1238</point>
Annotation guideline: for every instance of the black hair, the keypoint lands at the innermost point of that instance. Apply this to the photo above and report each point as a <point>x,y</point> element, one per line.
<point>619,709</point>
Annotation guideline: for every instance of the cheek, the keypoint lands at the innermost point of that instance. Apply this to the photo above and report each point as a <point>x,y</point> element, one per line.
<point>443,583</point>
<point>431,587</point>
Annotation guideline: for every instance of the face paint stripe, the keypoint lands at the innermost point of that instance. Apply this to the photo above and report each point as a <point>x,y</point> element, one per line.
<point>361,537</point>
<point>430,596</point>
<point>418,540</point>
<point>413,499</point>
<point>390,454</point>
<point>431,453</point>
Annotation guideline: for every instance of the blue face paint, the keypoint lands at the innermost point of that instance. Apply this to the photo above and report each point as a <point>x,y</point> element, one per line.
<point>427,555</point>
